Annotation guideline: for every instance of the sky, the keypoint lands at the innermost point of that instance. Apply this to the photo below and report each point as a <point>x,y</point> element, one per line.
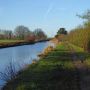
<point>50,15</point>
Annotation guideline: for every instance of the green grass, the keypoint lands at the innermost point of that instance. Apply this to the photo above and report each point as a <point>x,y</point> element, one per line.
<point>62,47</point>
<point>10,41</point>
<point>76,48</point>
<point>6,43</point>
<point>54,72</point>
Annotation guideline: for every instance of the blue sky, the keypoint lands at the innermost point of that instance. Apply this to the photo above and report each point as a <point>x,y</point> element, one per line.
<point>49,15</point>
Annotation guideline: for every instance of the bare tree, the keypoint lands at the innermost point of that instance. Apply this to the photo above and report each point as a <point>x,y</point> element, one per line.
<point>22,32</point>
<point>39,34</point>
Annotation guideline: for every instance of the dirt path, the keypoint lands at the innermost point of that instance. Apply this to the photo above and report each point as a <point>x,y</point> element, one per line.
<point>82,72</point>
<point>84,75</point>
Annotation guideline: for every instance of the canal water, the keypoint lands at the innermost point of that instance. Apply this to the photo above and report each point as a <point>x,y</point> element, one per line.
<point>20,55</point>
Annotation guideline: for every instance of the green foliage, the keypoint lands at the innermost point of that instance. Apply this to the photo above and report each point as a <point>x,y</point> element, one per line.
<point>62,31</point>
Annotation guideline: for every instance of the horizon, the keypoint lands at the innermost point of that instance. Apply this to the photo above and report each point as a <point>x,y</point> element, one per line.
<point>50,15</point>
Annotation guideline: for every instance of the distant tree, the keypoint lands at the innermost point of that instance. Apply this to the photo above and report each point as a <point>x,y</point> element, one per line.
<point>31,38</point>
<point>8,34</point>
<point>22,32</point>
<point>62,31</point>
<point>1,34</point>
<point>39,34</point>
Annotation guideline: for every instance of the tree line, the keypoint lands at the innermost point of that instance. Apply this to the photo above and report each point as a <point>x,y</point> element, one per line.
<point>23,33</point>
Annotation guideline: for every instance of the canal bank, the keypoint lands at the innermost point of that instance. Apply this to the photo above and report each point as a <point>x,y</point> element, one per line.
<point>49,73</point>
<point>19,43</point>
<point>19,56</point>
<point>55,71</point>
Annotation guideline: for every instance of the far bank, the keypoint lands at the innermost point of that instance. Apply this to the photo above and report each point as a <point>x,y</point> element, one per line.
<point>13,43</point>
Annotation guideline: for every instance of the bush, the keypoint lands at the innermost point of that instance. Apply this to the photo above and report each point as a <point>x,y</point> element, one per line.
<point>80,36</point>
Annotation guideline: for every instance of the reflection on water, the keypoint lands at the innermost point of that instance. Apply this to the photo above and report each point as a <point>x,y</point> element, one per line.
<point>20,54</point>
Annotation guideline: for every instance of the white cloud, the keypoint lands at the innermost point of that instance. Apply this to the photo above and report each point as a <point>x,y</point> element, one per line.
<point>50,8</point>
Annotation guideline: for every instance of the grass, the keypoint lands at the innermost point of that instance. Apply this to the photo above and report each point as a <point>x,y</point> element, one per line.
<point>76,48</point>
<point>56,71</point>
<point>8,42</point>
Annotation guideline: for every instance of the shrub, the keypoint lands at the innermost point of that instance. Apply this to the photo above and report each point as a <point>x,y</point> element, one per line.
<point>80,36</point>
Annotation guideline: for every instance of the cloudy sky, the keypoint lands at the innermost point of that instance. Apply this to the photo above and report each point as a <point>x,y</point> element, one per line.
<point>49,15</point>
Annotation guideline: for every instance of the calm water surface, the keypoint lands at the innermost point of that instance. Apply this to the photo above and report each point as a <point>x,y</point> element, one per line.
<point>20,55</point>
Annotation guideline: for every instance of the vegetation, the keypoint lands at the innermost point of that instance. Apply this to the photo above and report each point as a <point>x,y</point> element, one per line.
<point>80,36</point>
<point>62,68</point>
<point>55,71</point>
<point>85,16</point>
<point>47,73</point>
<point>10,41</point>
<point>22,33</point>
<point>39,34</point>
<point>61,34</point>
<point>61,31</point>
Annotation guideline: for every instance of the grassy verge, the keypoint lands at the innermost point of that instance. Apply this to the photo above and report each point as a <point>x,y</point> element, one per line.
<point>7,42</point>
<point>10,43</point>
<point>56,71</point>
